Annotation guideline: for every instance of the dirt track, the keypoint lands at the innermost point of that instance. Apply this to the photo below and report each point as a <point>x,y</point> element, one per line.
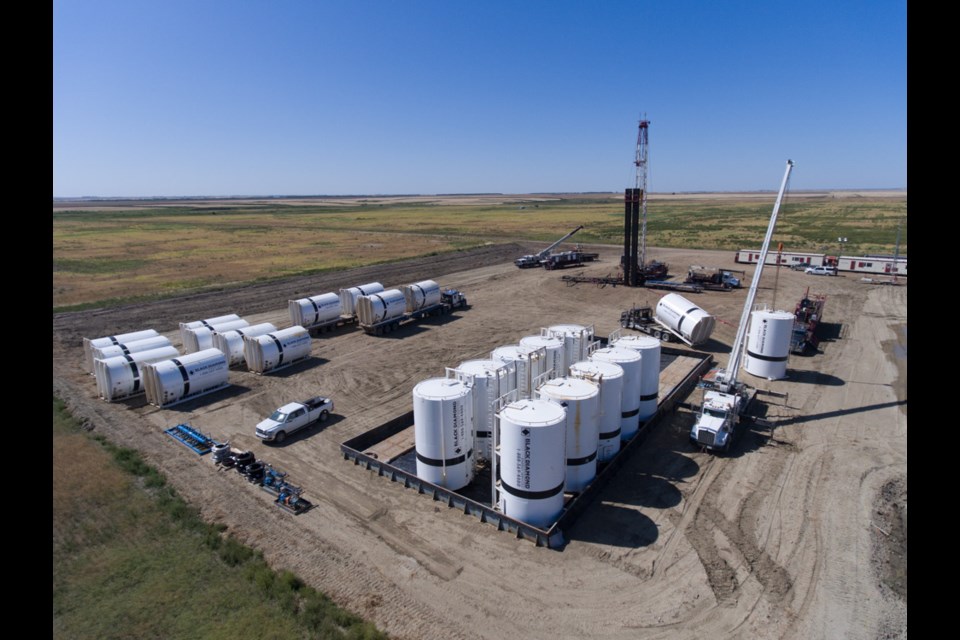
<point>777,540</point>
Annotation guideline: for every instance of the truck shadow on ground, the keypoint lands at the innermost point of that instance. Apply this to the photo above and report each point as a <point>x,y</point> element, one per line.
<point>307,432</point>
<point>420,326</point>
<point>838,413</point>
<point>615,526</point>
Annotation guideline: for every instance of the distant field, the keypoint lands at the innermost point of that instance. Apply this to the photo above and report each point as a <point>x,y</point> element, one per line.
<point>140,249</point>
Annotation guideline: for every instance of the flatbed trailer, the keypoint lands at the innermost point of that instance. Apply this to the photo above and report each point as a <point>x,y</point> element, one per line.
<point>643,319</point>
<point>331,325</point>
<point>450,300</point>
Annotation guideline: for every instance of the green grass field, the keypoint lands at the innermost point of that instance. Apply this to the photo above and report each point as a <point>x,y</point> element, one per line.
<point>132,560</point>
<point>100,257</point>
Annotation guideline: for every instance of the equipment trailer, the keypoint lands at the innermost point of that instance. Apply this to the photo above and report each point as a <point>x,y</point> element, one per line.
<point>643,319</point>
<point>450,299</point>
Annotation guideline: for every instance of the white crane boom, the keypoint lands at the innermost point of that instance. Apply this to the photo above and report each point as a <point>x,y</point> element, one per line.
<point>727,378</point>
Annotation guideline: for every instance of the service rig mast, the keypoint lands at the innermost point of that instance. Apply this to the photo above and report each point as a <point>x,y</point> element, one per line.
<point>724,398</point>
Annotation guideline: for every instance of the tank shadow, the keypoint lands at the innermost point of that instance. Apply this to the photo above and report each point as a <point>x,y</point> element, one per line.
<point>613,525</point>
<point>226,393</point>
<point>297,367</point>
<point>307,432</point>
<point>714,346</point>
<point>814,377</point>
<point>829,331</point>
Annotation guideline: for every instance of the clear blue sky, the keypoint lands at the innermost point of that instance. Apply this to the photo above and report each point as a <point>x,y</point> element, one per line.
<point>300,97</point>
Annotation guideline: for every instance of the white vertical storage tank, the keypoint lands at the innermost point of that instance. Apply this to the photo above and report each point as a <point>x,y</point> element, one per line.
<point>491,379</point>
<point>649,350</point>
<point>319,309</point>
<point>686,318</point>
<point>609,377</point>
<point>276,350</point>
<point>629,361</point>
<point>421,295</point>
<point>200,338</point>
<point>555,352</point>
<point>231,341</point>
<point>126,348</point>
<point>768,344</point>
<point>581,398</point>
<point>169,382</point>
<point>576,339</point>
<point>120,377</point>
<point>348,297</point>
<point>122,338</point>
<point>529,363</point>
<point>379,307</point>
<point>443,432</point>
<point>532,461</point>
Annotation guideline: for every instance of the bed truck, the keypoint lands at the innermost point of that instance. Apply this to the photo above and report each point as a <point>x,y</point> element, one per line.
<point>643,319</point>
<point>292,417</point>
<point>725,398</point>
<point>382,318</point>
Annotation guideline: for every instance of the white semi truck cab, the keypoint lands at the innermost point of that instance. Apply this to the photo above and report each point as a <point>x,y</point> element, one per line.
<point>292,417</point>
<point>718,417</point>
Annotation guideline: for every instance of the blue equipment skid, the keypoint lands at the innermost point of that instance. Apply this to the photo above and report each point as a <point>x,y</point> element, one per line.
<point>191,438</point>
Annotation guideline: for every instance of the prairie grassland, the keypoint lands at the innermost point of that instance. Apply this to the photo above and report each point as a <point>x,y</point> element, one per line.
<point>132,560</point>
<point>116,255</point>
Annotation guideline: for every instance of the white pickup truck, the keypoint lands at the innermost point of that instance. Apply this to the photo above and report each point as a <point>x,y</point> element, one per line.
<point>292,417</point>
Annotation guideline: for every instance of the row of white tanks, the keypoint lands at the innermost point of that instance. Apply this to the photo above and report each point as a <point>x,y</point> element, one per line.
<point>562,405</point>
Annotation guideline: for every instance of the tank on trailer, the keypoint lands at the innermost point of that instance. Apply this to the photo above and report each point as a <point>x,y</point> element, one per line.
<point>348,297</point>
<point>276,350</point>
<point>690,322</point>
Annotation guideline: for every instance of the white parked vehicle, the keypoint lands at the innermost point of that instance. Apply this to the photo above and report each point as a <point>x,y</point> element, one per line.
<point>292,417</point>
<point>822,270</point>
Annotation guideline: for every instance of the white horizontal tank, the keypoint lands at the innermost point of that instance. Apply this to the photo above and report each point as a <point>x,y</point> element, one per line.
<point>169,382</point>
<point>200,338</point>
<point>768,344</point>
<point>629,361</point>
<point>576,339</point>
<point>529,363</point>
<point>380,307</point>
<point>319,309</point>
<point>581,398</point>
<point>609,377</point>
<point>277,349</point>
<point>121,338</point>
<point>209,322</point>
<point>532,461</point>
<point>649,350</point>
<point>120,377</point>
<point>421,295</point>
<point>230,342</point>
<point>686,318</point>
<point>348,297</point>
<point>555,352</point>
<point>120,349</point>
<point>491,379</point>
<point>443,432</point>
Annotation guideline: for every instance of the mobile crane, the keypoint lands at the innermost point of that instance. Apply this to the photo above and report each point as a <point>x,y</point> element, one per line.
<point>724,398</point>
<point>536,260</point>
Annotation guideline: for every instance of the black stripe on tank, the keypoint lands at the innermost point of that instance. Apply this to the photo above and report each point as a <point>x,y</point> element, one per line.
<point>573,462</point>
<point>204,323</point>
<point>531,495</point>
<point>279,347</point>
<point>610,434</point>
<point>114,340</point>
<point>483,434</point>
<point>449,462</point>
<point>650,396</point>
<point>135,370</point>
<point>630,414</point>
<point>684,316</point>
<point>766,358</point>
<point>316,311</point>
<point>183,374</point>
